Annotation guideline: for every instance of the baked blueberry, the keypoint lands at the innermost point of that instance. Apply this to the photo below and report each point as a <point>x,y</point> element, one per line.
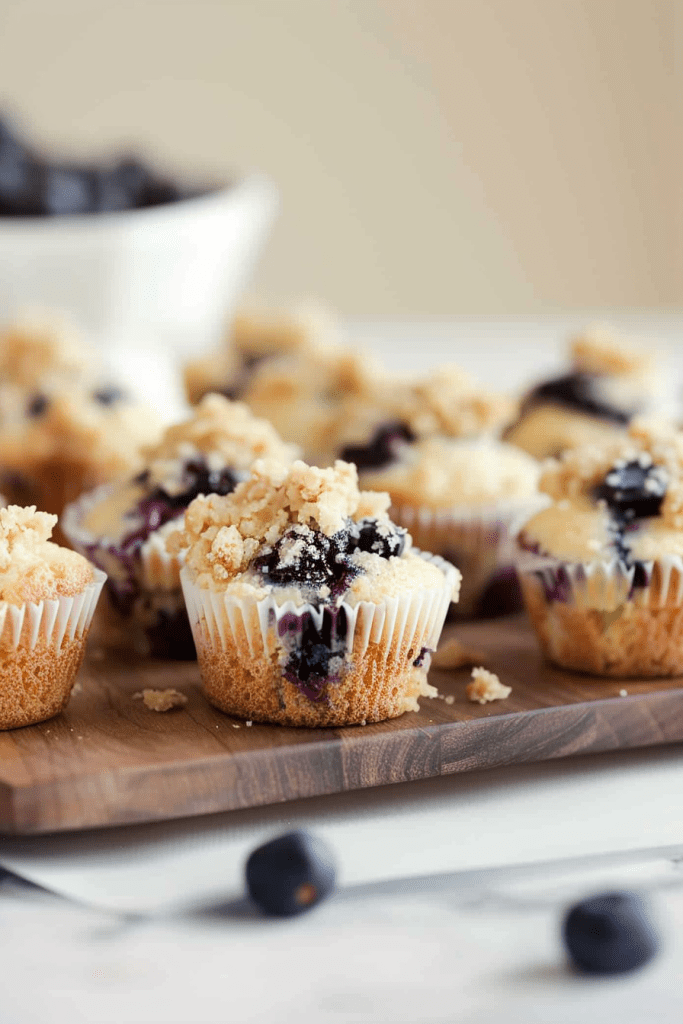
<point>633,490</point>
<point>383,448</point>
<point>290,874</point>
<point>37,405</point>
<point>610,934</point>
<point>580,391</point>
<point>109,394</point>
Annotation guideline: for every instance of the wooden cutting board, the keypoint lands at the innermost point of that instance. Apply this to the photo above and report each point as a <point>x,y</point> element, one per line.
<point>108,760</point>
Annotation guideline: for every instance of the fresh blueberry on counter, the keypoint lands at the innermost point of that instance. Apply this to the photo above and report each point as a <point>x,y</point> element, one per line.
<point>610,934</point>
<point>290,874</point>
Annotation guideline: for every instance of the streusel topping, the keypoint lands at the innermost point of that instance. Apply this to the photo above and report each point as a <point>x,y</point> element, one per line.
<point>33,350</point>
<point>32,568</point>
<point>223,534</point>
<point>450,402</point>
<point>599,350</point>
<point>225,433</point>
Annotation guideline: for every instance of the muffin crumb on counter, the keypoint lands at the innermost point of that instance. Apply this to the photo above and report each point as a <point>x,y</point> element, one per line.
<point>486,686</point>
<point>453,654</point>
<point>161,700</point>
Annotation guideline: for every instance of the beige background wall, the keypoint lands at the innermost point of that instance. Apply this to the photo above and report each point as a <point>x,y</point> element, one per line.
<point>433,156</point>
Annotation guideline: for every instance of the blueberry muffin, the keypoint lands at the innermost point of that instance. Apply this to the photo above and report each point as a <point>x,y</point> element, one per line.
<point>608,384</point>
<point>64,427</point>
<point>122,527</point>
<point>255,337</point>
<point>308,605</point>
<point>602,567</point>
<point>291,370</point>
<point>47,599</point>
<point>433,446</point>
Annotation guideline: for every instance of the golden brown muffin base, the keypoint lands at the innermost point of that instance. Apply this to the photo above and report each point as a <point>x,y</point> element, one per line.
<point>630,641</point>
<point>372,687</point>
<point>36,684</point>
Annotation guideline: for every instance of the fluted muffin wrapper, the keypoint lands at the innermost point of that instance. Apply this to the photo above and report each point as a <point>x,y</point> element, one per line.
<point>222,619</point>
<point>47,623</point>
<point>380,658</point>
<point>606,617</point>
<point>157,609</point>
<point>481,542</point>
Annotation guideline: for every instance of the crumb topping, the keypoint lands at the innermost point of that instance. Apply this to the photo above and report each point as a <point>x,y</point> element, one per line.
<point>32,568</point>
<point>225,433</point>
<point>33,350</point>
<point>486,686</point>
<point>599,350</point>
<point>440,472</point>
<point>650,442</point>
<point>450,402</point>
<point>223,534</point>
<point>262,333</point>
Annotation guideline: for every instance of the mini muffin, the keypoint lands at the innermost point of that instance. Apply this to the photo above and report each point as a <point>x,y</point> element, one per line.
<point>602,567</point>
<point>47,599</point>
<point>255,337</point>
<point>308,605</point>
<point>609,383</point>
<point>291,370</point>
<point>458,489</point>
<point>122,527</point>
<point>63,427</point>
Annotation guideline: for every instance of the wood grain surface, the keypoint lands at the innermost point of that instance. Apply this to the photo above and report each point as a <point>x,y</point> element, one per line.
<point>108,760</point>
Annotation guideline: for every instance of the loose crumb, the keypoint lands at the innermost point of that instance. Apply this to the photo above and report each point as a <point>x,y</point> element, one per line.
<point>623,693</point>
<point>161,700</point>
<point>248,724</point>
<point>453,654</point>
<point>486,686</point>
<point>235,725</point>
<point>77,688</point>
<point>450,699</point>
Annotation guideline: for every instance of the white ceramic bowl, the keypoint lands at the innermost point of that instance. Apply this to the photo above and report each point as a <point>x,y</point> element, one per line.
<point>165,276</point>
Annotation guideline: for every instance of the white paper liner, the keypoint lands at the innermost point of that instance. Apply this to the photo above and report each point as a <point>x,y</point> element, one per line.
<point>221,620</point>
<point>157,569</point>
<point>480,540</point>
<point>605,586</point>
<point>49,622</point>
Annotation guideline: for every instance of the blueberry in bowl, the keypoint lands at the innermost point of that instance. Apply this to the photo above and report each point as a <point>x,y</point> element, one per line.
<point>129,250</point>
<point>309,606</point>
<point>124,526</point>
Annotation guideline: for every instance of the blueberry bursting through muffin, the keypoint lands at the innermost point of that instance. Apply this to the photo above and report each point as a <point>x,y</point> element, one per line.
<point>383,448</point>
<point>169,634</point>
<point>322,569</point>
<point>633,492</point>
<point>581,392</point>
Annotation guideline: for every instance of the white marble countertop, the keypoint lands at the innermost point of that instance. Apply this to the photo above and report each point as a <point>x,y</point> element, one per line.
<point>452,890</point>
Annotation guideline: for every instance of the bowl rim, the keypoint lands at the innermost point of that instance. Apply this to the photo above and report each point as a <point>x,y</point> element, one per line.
<point>215,196</point>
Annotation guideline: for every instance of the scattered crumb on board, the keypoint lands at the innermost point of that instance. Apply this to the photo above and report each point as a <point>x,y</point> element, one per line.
<point>623,693</point>
<point>453,654</point>
<point>161,700</point>
<point>486,686</point>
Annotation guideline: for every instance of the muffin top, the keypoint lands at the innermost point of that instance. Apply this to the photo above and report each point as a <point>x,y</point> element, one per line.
<point>57,407</point>
<point>256,337</point>
<point>448,473</point>
<point>32,568</point>
<point>622,500</point>
<point>207,453</point>
<point>609,379</point>
<point>303,534</point>
<point>389,411</point>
